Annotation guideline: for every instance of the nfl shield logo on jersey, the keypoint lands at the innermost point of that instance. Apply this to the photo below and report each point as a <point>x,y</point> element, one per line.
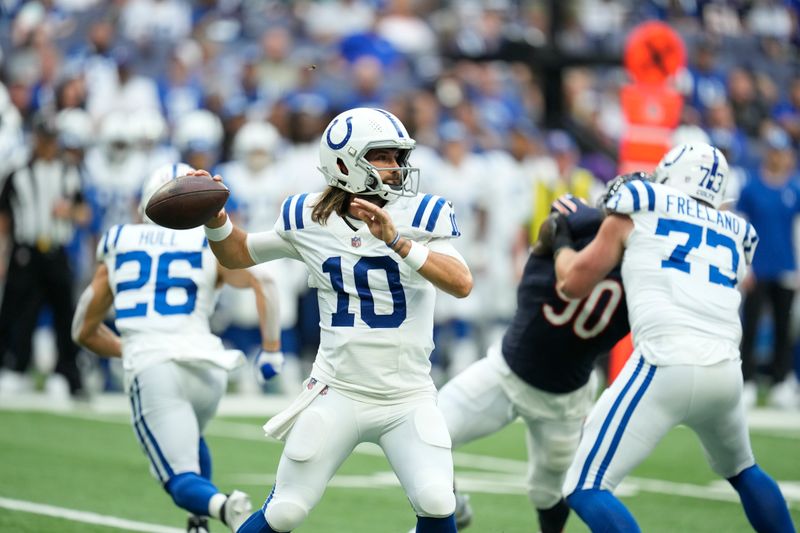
<point>355,242</point>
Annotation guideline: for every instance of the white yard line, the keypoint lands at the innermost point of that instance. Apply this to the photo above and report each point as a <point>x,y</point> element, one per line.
<point>499,476</point>
<point>85,517</point>
<point>515,485</point>
<point>268,405</point>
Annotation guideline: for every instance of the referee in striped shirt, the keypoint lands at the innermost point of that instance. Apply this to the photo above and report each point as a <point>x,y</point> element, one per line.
<point>40,204</point>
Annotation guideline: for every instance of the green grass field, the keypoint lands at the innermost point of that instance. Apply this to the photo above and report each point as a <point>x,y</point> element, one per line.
<point>92,463</point>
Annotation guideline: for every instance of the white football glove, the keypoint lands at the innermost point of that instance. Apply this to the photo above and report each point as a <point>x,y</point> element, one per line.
<point>268,365</point>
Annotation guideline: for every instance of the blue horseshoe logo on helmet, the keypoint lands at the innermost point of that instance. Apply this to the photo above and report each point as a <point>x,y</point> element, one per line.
<point>336,146</point>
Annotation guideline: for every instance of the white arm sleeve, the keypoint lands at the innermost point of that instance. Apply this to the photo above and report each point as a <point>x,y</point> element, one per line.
<point>444,246</point>
<point>268,245</point>
<point>80,313</point>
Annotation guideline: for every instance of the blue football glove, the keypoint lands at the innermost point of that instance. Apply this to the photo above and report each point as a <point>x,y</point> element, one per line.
<point>268,365</point>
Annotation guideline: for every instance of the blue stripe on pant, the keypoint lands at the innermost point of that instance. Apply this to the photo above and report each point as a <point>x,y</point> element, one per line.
<point>140,437</point>
<point>621,428</point>
<point>148,435</point>
<point>605,429</point>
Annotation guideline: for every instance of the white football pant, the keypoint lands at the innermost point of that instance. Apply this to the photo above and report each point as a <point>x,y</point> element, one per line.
<point>488,396</point>
<point>171,404</point>
<point>644,403</point>
<point>413,435</point>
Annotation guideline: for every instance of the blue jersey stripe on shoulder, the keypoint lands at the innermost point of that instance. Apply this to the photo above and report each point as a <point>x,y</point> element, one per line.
<point>205,242</point>
<point>286,203</point>
<point>421,210</point>
<point>105,242</point>
<point>635,193</point>
<point>298,211</point>
<point>651,196</point>
<point>119,232</point>
<point>437,208</point>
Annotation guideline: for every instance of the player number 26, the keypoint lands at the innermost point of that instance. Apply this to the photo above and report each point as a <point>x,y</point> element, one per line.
<point>163,282</point>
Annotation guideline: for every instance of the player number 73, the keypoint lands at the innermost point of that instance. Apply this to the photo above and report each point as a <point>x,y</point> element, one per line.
<point>694,234</point>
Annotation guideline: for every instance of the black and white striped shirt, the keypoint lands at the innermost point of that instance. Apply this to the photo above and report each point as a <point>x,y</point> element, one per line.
<point>29,196</point>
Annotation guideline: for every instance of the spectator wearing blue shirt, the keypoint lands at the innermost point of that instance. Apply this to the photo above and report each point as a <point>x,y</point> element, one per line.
<point>707,83</point>
<point>771,201</point>
<point>787,112</point>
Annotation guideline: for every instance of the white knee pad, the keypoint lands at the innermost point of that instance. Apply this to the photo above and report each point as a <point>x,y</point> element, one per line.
<point>436,501</point>
<point>283,515</point>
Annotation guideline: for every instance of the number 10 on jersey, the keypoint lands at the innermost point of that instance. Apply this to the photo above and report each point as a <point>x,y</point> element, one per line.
<point>343,317</point>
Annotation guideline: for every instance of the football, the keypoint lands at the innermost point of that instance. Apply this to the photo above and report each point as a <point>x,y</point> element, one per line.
<point>186,202</point>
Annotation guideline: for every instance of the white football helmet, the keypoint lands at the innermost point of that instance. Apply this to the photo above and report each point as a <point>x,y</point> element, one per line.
<point>349,137</point>
<point>689,133</point>
<point>75,128</point>
<point>159,177</point>
<point>149,127</point>
<point>198,131</point>
<point>255,144</point>
<point>697,169</point>
<point>116,139</point>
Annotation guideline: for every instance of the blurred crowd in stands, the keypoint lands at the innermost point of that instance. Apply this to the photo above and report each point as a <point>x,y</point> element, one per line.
<point>245,87</point>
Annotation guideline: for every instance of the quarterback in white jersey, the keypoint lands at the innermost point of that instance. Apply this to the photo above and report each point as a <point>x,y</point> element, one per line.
<point>376,252</point>
<point>162,284</point>
<point>682,259</point>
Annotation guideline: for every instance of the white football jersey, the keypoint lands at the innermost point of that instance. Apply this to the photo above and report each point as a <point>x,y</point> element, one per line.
<point>376,313</point>
<point>257,197</point>
<point>163,283</point>
<point>681,266</point>
<point>115,186</point>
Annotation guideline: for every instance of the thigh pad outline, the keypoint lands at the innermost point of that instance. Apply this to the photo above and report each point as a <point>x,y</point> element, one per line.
<point>307,437</point>
<point>431,426</point>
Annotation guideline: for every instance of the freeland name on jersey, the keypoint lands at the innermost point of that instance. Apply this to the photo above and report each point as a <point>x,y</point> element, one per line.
<point>683,205</point>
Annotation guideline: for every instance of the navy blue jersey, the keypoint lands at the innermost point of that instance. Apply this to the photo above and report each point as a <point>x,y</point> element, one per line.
<point>552,342</point>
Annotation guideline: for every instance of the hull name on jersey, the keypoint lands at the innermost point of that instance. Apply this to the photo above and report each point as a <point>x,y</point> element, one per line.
<point>157,238</point>
<point>692,208</point>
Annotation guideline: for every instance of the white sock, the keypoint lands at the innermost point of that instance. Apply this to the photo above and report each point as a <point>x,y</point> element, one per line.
<point>215,505</point>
